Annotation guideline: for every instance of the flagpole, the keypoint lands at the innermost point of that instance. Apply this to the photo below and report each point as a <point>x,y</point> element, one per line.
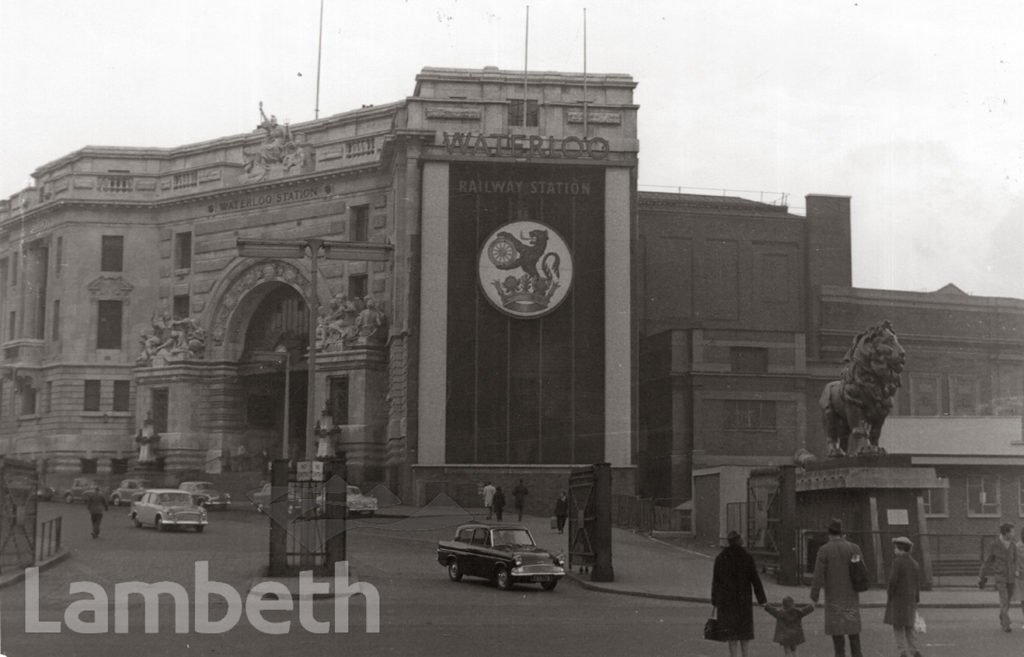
<point>526,59</point>
<point>586,132</point>
<point>319,47</point>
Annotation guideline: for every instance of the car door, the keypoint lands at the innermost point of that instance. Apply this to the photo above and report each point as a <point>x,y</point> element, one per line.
<point>144,509</point>
<point>479,561</point>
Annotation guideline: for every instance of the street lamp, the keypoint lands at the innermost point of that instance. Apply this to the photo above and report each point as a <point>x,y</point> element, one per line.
<point>296,249</point>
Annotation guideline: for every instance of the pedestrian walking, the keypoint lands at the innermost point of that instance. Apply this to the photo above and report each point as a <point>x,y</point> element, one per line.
<point>561,511</point>
<point>902,596</point>
<point>733,578</point>
<point>789,624</point>
<point>519,494</point>
<point>488,491</point>
<point>1019,585</point>
<point>498,503</point>
<point>96,504</point>
<point>1001,562</point>
<point>842,602</point>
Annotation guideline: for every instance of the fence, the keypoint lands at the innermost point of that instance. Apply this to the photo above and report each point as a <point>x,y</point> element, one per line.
<point>646,515</point>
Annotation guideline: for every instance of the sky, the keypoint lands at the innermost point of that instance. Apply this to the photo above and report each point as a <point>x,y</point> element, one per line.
<point>912,109</point>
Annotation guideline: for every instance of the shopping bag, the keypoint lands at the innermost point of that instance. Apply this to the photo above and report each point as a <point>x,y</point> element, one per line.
<point>919,625</point>
<point>712,629</point>
<point>554,522</point>
<point>859,574</point>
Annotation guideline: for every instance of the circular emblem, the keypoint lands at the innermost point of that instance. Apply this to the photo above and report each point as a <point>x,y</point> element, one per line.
<point>525,269</point>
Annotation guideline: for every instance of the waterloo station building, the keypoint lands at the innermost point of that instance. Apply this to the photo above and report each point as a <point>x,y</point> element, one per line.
<point>495,300</point>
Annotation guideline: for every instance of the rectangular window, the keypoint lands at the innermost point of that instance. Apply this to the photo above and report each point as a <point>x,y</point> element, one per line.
<point>963,395</point>
<point>108,326</point>
<point>749,415</point>
<point>515,113</point>
<point>357,286</point>
<point>159,409</point>
<point>28,400</point>
<point>181,306</point>
<point>92,396</point>
<point>360,223</point>
<point>338,399</point>
<point>122,389</point>
<point>12,325</point>
<point>983,497</point>
<point>48,402</point>
<point>112,253</point>
<point>925,394</point>
<point>936,502</point>
<point>749,359</point>
<point>183,251</point>
<point>55,321</point>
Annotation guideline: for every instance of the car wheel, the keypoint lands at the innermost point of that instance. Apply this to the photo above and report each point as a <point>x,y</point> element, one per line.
<point>502,578</point>
<point>200,528</point>
<point>549,586</point>
<point>454,571</point>
<point>159,524</point>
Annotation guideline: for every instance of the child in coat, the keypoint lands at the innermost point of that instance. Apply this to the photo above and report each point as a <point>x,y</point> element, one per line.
<point>789,629</point>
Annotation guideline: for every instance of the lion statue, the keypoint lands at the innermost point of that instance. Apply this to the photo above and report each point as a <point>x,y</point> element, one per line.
<point>855,406</point>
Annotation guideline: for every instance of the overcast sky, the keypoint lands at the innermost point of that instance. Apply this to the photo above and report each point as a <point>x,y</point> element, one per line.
<point>911,108</point>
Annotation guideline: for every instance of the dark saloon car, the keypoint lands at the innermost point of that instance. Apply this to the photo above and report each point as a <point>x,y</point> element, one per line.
<point>128,491</point>
<point>506,554</point>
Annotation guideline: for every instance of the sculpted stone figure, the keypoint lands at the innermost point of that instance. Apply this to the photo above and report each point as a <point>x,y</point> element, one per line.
<point>278,152</point>
<point>855,406</point>
<point>171,339</point>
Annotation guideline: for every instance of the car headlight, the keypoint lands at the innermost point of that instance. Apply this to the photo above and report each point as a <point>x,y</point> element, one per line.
<point>518,561</point>
<point>559,559</point>
<point>170,514</point>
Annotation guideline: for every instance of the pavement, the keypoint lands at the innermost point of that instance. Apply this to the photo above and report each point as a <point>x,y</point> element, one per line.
<point>671,567</point>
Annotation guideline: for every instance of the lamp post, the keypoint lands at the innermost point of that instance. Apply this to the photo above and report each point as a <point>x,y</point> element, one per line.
<point>287,398</point>
<point>296,249</point>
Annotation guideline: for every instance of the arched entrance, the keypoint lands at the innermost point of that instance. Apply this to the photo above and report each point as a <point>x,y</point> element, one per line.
<point>272,370</point>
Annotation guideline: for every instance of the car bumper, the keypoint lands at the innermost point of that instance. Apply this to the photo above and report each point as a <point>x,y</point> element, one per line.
<point>183,523</point>
<point>537,573</point>
<point>218,504</point>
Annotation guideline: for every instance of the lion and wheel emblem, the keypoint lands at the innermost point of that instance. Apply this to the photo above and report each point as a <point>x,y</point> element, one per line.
<point>542,260</point>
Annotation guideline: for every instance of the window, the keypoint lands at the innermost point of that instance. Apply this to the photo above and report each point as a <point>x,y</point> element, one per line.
<point>112,253</point>
<point>749,415</point>
<point>181,306</point>
<point>515,113</point>
<point>108,326</point>
<point>936,502</point>
<point>338,399</point>
<point>92,396</point>
<point>357,286</point>
<point>12,325</point>
<point>55,321</point>
<point>748,359</point>
<point>183,251</point>
<point>983,497</point>
<point>48,402</point>
<point>924,394</point>
<point>28,400</point>
<point>159,408</point>
<point>963,395</point>
<point>360,223</point>
<point>122,389</point>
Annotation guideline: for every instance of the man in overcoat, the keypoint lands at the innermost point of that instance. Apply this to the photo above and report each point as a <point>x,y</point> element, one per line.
<point>842,602</point>
<point>902,597</point>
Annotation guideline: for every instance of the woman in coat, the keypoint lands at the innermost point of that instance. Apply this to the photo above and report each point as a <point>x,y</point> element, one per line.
<point>735,574</point>
<point>902,597</point>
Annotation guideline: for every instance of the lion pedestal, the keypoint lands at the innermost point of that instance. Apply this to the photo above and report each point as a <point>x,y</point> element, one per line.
<point>878,498</point>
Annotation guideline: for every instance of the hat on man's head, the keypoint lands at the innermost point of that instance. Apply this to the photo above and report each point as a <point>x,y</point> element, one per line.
<point>1006,528</point>
<point>734,538</point>
<point>835,526</point>
<point>903,540</point>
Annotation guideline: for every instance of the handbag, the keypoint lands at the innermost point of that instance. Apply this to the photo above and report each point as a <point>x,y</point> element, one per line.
<point>919,625</point>
<point>712,630</point>
<point>859,574</point>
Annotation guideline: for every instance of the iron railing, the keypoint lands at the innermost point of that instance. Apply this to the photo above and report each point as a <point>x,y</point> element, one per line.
<point>48,541</point>
<point>646,515</point>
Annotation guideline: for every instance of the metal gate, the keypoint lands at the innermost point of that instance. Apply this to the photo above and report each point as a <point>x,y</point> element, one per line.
<point>764,520</point>
<point>18,484</point>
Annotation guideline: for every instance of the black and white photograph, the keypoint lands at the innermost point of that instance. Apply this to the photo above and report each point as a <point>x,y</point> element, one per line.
<point>674,328</point>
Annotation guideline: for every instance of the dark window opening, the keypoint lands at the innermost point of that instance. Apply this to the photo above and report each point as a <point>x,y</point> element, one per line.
<point>122,390</point>
<point>92,396</point>
<point>357,286</point>
<point>158,409</point>
<point>515,113</point>
<point>181,306</point>
<point>338,399</point>
<point>112,253</point>
<point>360,223</point>
<point>108,326</point>
<point>183,251</point>
<point>55,321</point>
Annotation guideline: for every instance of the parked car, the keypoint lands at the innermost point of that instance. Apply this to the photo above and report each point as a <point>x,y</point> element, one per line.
<point>163,508</point>
<point>80,486</point>
<point>126,490</point>
<point>24,485</point>
<point>506,554</point>
<point>359,504</point>
<point>45,493</point>
<point>206,494</point>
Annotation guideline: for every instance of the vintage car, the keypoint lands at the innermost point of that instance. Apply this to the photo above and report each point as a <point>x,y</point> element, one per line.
<point>359,504</point>
<point>206,494</point>
<point>506,554</point>
<point>164,508</point>
<point>80,487</point>
<point>22,487</point>
<point>127,490</point>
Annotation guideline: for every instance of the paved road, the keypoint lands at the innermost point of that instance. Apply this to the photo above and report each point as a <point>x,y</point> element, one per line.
<point>422,613</point>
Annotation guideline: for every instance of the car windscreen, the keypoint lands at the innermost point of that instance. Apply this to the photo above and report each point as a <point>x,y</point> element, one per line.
<point>174,499</point>
<point>512,537</point>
